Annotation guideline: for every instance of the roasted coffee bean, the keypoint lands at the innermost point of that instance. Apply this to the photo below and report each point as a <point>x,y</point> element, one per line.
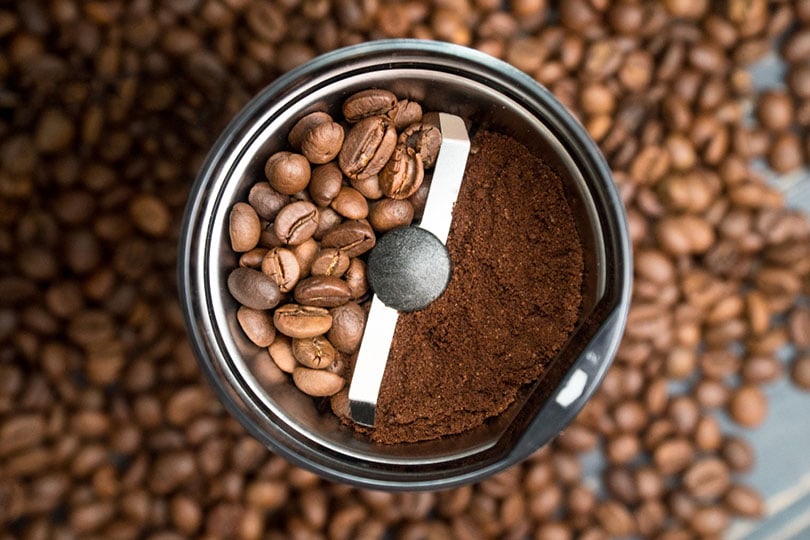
<point>314,352</point>
<point>322,142</point>
<point>673,455</point>
<point>369,186</point>
<point>298,321</point>
<point>257,325</point>
<point>748,406</point>
<point>350,204</point>
<point>322,291</point>
<point>282,354</point>
<point>348,325</point>
<point>296,222</point>
<point>330,262</point>
<point>774,110</point>
<point>317,382</point>
<point>366,103</point>
<point>304,126</point>
<point>738,453</point>
<point>281,265</point>
<point>244,227</point>
<point>266,201</point>
<point>800,371</point>
<point>425,139</point>
<point>745,502</point>
<point>367,147</point>
<point>328,219</point>
<point>707,479</point>
<point>325,183</point>
<point>253,258</point>
<point>357,278</point>
<point>288,173</point>
<point>406,113</point>
<point>403,174</point>
<point>305,253</point>
<point>710,520</point>
<point>253,289</point>
<point>389,214</point>
<point>352,237</point>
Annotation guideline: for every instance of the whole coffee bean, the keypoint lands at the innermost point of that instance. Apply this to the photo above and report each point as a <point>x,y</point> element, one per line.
<point>366,103</point>
<point>738,454</point>
<point>708,434</point>
<point>288,173</point>
<point>328,219</point>
<point>685,413</point>
<point>352,237</point>
<point>774,110</point>
<point>707,479</point>
<point>253,258</point>
<point>298,321</point>
<point>305,253</point>
<point>244,227</point>
<point>266,201</point>
<point>367,147</point>
<point>350,203</point>
<point>800,372</point>
<point>615,518</point>
<point>348,325</point>
<point>281,265</point>
<point>745,502</point>
<point>797,47</point>
<point>785,153</point>
<point>649,483</point>
<point>282,354</point>
<point>322,142</point>
<point>268,238</point>
<point>325,183</point>
<point>304,125</point>
<point>296,222</point>
<point>317,382</point>
<point>314,352</point>
<point>406,112</point>
<point>710,520</point>
<point>330,262</point>
<point>748,406</point>
<point>389,214</point>
<point>357,278</point>
<point>369,186</point>
<point>798,79</point>
<point>425,139</point>
<point>253,289</point>
<point>322,291</point>
<point>257,325</point>
<point>403,174</point>
<point>673,455</point>
<point>761,369</point>
<point>620,483</point>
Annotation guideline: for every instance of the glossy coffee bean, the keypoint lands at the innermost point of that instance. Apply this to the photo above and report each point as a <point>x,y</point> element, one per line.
<point>322,291</point>
<point>298,321</point>
<point>296,222</point>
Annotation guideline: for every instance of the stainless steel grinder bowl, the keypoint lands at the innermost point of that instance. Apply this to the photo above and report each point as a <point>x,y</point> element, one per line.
<point>446,78</point>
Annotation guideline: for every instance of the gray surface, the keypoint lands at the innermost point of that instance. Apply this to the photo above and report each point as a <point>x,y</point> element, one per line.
<point>409,268</point>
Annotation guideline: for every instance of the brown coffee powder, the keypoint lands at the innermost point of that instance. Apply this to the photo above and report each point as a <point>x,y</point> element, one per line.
<point>513,299</point>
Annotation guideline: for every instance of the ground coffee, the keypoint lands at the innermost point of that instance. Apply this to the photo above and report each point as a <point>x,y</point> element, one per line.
<point>513,299</point>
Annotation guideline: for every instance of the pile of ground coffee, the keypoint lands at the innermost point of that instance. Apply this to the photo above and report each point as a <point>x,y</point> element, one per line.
<point>512,301</point>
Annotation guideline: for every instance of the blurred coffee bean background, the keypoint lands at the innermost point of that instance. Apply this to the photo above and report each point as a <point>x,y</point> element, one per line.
<point>107,429</point>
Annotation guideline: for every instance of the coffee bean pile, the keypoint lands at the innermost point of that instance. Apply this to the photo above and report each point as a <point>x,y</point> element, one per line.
<point>107,109</point>
<point>302,232</point>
